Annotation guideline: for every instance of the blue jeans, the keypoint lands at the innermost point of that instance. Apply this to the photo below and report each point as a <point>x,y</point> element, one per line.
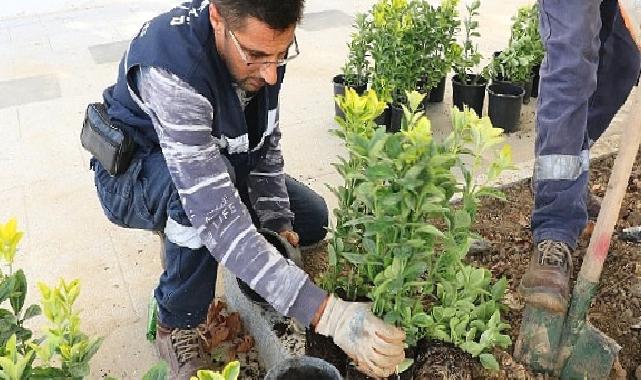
<point>144,197</point>
<point>590,66</point>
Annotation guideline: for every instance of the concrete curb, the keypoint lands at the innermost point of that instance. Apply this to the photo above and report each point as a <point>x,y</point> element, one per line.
<point>274,345</point>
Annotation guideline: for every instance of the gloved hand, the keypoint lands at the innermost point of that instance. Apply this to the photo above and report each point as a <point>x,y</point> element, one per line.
<point>375,347</point>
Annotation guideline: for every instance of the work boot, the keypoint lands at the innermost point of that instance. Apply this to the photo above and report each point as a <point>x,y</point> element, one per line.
<point>546,281</point>
<point>183,350</point>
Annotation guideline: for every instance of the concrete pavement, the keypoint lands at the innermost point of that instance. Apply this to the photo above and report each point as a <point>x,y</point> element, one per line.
<point>59,56</point>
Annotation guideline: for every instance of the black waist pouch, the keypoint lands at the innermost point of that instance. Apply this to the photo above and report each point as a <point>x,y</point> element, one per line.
<point>106,140</point>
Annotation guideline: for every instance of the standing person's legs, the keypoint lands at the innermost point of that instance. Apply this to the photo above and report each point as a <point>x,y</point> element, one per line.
<point>618,70</point>
<point>570,32</point>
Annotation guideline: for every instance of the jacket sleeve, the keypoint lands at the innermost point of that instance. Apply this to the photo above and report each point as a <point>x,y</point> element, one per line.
<point>267,190</point>
<point>182,119</point>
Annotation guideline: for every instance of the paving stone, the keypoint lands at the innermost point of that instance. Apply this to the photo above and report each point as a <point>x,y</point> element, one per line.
<point>323,20</point>
<point>109,52</point>
<point>27,90</point>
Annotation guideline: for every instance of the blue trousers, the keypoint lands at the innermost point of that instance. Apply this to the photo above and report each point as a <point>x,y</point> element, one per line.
<point>144,197</point>
<point>590,67</point>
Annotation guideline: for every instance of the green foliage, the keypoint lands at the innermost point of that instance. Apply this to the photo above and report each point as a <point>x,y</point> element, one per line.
<point>9,239</point>
<point>230,372</point>
<point>160,371</point>
<point>525,24</point>
<point>392,29</point>
<point>525,49</point>
<point>399,240</point>
<point>435,39</point>
<point>64,340</point>
<point>357,67</point>
<point>421,37</point>
<point>467,56</point>
<point>64,351</point>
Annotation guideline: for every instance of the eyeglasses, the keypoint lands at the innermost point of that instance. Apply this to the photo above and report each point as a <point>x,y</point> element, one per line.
<point>278,63</point>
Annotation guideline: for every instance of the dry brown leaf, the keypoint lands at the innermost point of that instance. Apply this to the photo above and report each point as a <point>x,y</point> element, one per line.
<point>231,354</point>
<point>233,323</point>
<point>218,335</point>
<point>246,344</point>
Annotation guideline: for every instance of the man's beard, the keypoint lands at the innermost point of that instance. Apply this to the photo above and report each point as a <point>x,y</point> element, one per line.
<point>251,84</point>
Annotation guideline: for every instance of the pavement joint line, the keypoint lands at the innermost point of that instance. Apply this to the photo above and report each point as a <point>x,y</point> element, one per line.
<point>19,124</point>
<point>122,277</point>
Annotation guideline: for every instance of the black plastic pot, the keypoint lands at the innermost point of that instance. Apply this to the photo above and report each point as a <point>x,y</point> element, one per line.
<point>505,105</point>
<point>438,93</point>
<point>527,87</point>
<point>321,346</point>
<point>535,81</point>
<point>303,368</point>
<point>466,93</point>
<point>285,249</point>
<point>395,118</point>
<point>420,87</point>
<point>339,89</point>
<point>354,374</point>
<point>383,118</point>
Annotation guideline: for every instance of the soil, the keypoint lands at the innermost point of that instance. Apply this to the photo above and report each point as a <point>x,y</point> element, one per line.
<point>617,307</point>
<point>506,224</point>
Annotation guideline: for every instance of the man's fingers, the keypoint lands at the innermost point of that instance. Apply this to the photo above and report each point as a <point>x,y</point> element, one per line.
<point>389,350</point>
<point>390,334</point>
<point>370,368</point>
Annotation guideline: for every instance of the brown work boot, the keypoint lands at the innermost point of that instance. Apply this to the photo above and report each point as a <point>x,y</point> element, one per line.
<point>183,350</point>
<point>546,282</point>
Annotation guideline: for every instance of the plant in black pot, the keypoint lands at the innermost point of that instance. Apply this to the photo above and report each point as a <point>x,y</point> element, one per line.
<point>440,25</point>
<point>511,72</point>
<point>526,24</point>
<point>525,28</point>
<point>468,88</point>
<point>356,71</point>
<point>396,55</point>
<point>399,241</point>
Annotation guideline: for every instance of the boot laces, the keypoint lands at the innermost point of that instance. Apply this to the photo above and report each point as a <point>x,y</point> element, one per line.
<point>187,344</point>
<point>554,253</point>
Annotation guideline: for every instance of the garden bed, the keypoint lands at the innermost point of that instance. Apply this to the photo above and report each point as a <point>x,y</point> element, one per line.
<point>617,306</point>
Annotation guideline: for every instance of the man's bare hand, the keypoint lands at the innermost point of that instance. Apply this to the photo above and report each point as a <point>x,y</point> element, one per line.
<point>291,237</point>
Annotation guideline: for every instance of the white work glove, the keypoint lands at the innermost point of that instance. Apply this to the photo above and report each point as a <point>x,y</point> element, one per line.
<point>375,347</point>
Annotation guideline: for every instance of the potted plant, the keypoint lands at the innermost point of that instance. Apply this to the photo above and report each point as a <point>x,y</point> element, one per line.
<point>515,64</point>
<point>468,88</point>
<point>438,29</point>
<point>386,247</point>
<point>395,55</point>
<point>526,24</point>
<point>355,72</point>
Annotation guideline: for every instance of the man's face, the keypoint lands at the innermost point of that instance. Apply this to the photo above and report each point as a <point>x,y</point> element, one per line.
<point>255,42</point>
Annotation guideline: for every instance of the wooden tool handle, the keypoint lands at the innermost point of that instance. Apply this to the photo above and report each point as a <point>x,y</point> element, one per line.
<point>617,185</point>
